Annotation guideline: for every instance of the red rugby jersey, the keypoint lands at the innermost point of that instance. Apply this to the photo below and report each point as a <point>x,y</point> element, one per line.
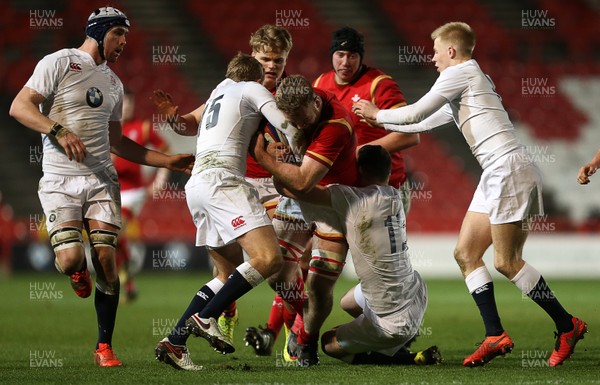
<point>130,173</point>
<point>379,88</point>
<point>333,143</point>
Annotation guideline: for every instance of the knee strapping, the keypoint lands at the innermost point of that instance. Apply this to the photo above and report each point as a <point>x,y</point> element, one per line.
<point>100,237</point>
<point>327,263</point>
<point>291,251</point>
<point>66,237</point>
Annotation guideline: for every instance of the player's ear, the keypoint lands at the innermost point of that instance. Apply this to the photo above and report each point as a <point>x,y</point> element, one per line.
<point>318,102</point>
<point>451,52</point>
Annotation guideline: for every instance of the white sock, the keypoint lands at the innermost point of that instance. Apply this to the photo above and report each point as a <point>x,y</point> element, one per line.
<point>215,285</point>
<point>526,278</point>
<point>250,274</point>
<point>477,278</point>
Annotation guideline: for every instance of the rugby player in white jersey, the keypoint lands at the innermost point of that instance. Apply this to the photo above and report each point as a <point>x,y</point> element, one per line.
<point>225,207</point>
<point>508,195</point>
<point>75,101</point>
<point>389,302</point>
<point>271,46</point>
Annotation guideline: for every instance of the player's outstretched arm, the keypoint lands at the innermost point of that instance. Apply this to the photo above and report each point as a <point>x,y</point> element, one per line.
<point>394,141</point>
<point>413,113</point>
<point>589,169</point>
<point>25,109</point>
<point>319,195</point>
<point>130,150</point>
<point>185,125</point>
<point>438,119</point>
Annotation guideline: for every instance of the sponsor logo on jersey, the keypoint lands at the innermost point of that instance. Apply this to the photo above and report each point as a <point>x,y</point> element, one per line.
<point>94,97</point>
<point>75,67</point>
<point>238,222</point>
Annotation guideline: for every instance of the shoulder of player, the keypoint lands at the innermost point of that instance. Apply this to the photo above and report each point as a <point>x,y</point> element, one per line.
<point>334,111</point>
<point>459,70</point>
<point>323,79</point>
<point>251,88</point>
<point>339,124</point>
<point>60,57</point>
<point>377,81</point>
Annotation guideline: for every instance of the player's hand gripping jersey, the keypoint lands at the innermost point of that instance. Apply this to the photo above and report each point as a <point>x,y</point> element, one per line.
<point>232,116</point>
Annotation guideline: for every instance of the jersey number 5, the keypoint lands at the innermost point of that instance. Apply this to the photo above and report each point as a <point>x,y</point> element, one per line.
<point>213,113</point>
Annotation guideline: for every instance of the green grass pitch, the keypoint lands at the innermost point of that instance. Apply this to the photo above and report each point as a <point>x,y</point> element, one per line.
<point>48,336</point>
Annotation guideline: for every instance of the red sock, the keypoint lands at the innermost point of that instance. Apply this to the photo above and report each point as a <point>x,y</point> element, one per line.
<point>304,274</point>
<point>294,294</point>
<point>230,310</point>
<point>276,315</point>
<point>289,316</point>
<point>305,338</point>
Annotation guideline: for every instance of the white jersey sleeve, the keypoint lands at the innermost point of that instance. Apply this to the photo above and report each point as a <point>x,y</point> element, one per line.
<point>46,76</point>
<point>413,113</point>
<point>476,109</point>
<point>433,121</point>
<point>269,110</point>
<point>257,95</point>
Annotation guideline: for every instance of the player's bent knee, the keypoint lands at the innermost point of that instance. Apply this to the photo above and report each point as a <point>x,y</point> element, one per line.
<point>286,273</point>
<point>327,264</point>
<point>465,260</point>
<point>349,305</point>
<point>459,255</point>
<point>274,264</point>
<point>330,345</point>
<point>66,238</point>
<point>67,243</point>
<point>506,268</point>
<point>103,238</point>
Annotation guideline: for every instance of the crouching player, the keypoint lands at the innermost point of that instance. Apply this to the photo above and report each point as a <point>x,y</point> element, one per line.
<point>391,298</point>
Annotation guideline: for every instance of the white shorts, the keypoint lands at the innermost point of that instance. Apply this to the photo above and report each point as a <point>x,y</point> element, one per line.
<point>267,193</point>
<point>328,224</point>
<point>75,198</point>
<point>386,335</point>
<point>134,199</point>
<point>288,209</point>
<point>510,189</point>
<point>223,206</point>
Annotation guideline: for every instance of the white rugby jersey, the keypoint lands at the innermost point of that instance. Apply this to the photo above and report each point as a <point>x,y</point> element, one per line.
<point>83,97</point>
<point>375,228</point>
<point>463,94</point>
<point>232,116</point>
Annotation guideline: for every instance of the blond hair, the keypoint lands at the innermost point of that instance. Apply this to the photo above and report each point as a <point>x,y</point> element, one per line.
<point>244,68</point>
<point>271,38</point>
<point>459,35</point>
<point>294,92</point>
